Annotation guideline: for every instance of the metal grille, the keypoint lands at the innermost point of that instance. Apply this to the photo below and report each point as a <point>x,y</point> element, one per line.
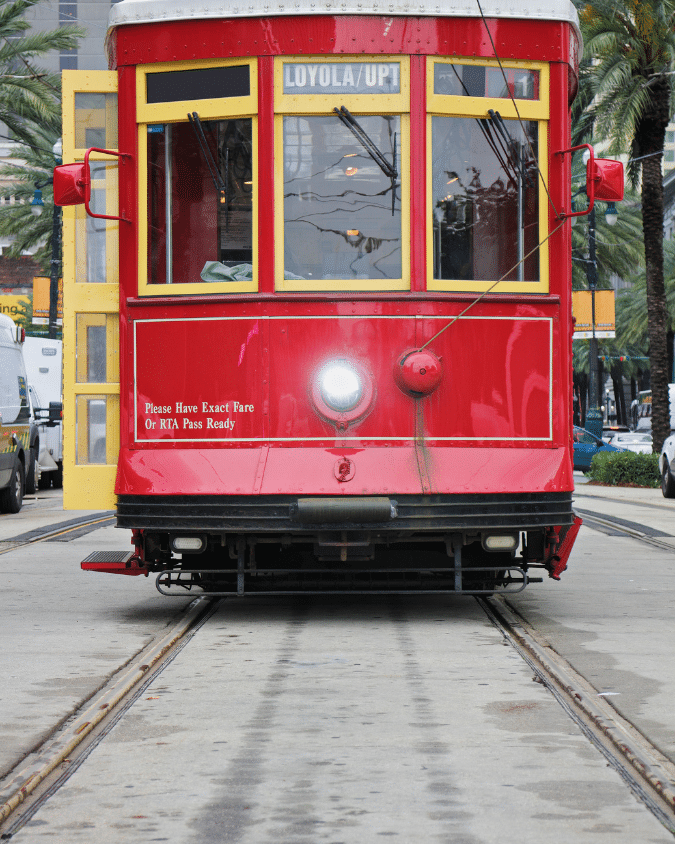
<point>274,514</point>
<point>108,557</point>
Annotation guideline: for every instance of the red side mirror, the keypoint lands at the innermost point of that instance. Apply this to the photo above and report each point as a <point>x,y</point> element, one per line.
<point>607,176</point>
<point>69,184</point>
<point>604,180</point>
<point>72,183</point>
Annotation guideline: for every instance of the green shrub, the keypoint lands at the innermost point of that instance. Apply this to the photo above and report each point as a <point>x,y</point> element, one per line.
<point>625,469</point>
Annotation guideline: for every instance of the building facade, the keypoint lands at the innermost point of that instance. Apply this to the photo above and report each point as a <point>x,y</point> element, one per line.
<point>92,15</point>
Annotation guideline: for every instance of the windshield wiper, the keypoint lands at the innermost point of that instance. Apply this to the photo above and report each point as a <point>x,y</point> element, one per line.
<point>512,147</point>
<point>372,149</point>
<point>366,142</point>
<point>214,170</point>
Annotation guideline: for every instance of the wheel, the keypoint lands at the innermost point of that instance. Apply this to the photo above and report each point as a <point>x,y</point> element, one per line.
<point>11,498</point>
<point>667,482</point>
<point>45,480</point>
<point>57,477</point>
<point>32,475</point>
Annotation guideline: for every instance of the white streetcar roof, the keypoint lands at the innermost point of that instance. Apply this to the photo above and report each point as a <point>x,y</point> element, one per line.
<point>154,11</point>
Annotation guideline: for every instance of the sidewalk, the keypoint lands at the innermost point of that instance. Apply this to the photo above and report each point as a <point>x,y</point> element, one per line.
<point>644,510</point>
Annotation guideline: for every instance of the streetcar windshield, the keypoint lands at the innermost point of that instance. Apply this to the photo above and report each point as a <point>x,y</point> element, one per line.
<point>485,199</point>
<point>342,204</point>
<point>200,206</point>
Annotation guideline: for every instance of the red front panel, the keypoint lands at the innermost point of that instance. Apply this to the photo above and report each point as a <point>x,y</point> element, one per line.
<point>198,380</point>
<point>312,471</point>
<point>206,380</point>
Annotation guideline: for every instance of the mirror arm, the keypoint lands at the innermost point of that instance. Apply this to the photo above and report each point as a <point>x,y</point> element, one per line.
<point>590,183</point>
<point>87,182</point>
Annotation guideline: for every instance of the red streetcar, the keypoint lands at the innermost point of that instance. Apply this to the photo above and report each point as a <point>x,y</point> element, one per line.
<point>318,293</point>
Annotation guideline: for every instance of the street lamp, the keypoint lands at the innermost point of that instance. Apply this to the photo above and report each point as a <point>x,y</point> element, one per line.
<point>37,206</point>
<point>594,413</point>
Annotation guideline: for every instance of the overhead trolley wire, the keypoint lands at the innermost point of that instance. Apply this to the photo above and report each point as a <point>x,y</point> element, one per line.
<point>498,121</point>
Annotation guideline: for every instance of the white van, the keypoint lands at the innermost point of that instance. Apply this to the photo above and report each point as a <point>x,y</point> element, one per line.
<point>44,365</point>
<point>641,410</point>
<point>15,420</point>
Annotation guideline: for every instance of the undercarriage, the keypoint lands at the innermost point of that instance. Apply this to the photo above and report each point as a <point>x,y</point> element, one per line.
<point>286,545</point>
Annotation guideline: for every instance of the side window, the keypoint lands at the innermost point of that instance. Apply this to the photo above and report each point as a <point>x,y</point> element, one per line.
<point>485,199</point>
<point>342,134</point>
<point>200,204</point>
<point>198,162</point>
<point>488,160</point>
<point>13,386</point>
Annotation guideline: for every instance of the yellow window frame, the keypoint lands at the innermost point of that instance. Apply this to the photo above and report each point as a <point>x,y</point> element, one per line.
<point>365,103</point>
<point>88,486</point>
<point>85,82</point>
<point>177,112</point>
<point>314,105</point>
<point>208,109</point>
<point>112,365</point>
<point>478,106</point>
<point>111,186</point>
<point>440,105</point>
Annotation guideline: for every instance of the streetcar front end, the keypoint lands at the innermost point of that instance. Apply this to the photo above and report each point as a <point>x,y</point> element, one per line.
<point>320,293</point>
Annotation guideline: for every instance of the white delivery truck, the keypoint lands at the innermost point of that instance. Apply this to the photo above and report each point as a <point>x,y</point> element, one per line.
<point>18,437</point>
<point>44,365</point>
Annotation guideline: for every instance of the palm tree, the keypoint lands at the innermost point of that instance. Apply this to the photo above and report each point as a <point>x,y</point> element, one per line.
<point>631,47</point>
<point>31,166</point>
<point>29,94</point>
<point>619,248</point>
<point>30,108</point>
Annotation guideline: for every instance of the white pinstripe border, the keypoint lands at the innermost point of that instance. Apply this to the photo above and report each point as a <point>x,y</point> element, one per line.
<point>406,439</point>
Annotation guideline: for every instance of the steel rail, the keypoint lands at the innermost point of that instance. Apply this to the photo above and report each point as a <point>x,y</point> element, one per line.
<point>52,763</point>
<point>592,518</point>
<point>58,529</point>
<point>645,770</point>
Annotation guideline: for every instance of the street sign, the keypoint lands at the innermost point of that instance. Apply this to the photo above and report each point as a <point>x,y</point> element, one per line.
<point>604,314</point>
<point>41,301</point>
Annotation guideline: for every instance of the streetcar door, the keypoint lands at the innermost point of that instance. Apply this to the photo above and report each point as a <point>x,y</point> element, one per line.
<point>91,297</point>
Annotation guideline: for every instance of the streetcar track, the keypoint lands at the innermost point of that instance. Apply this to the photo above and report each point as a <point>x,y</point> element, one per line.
<point>613,526</point>
<point>645,770</point>
<point>637,528</point>
<point>648,774</point>
<point>42,772</point>
<point>71,529</point>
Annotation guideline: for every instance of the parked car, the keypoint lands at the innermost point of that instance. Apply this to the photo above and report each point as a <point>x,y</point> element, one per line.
<point>608,431</point>
<point>639,442</point>
<point>667,466</point>
<point>586,446</point>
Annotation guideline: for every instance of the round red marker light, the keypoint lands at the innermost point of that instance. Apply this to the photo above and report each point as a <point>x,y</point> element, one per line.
<point>418,373</point>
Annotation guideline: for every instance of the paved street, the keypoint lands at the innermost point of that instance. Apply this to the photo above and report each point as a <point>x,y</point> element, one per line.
<point>344,719</point>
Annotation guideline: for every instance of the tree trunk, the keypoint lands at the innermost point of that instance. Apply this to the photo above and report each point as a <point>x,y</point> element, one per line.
<point>651,135</point>
<point>619,395</point>
<point>581,382</point>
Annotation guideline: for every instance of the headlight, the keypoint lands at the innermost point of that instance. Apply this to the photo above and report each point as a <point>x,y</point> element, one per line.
<point>340,386</point>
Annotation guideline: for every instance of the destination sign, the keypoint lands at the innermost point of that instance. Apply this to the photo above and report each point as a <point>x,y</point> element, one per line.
<point>342,78</point>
